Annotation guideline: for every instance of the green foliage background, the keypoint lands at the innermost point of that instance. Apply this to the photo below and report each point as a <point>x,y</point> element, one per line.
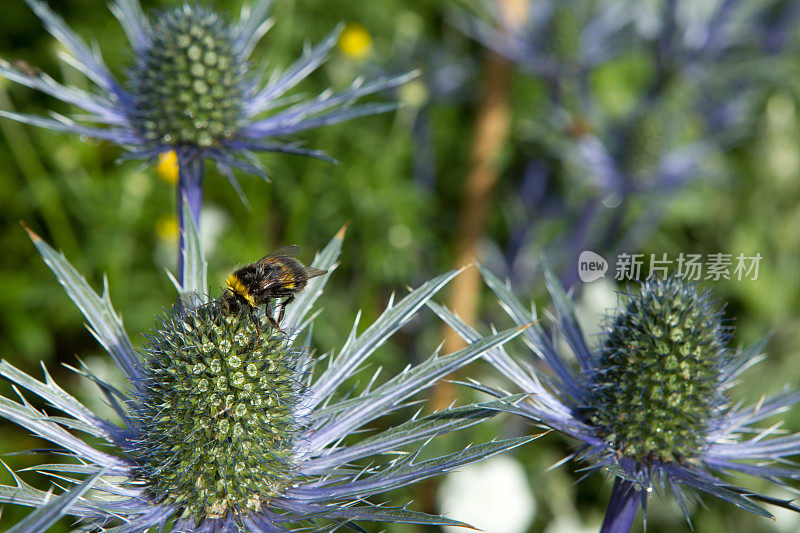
<point>104,217</point>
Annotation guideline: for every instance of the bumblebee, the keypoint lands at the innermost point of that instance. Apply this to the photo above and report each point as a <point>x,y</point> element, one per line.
<point>274,276</point>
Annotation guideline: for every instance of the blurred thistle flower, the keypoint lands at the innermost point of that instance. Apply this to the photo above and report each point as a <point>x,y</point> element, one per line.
<point>192,90</point>
<point>227,425</point>
<point>726,53</point>
<point>687,78</point>
<point>609,154</point>
<point>558,38</point>
<point>651,404</point>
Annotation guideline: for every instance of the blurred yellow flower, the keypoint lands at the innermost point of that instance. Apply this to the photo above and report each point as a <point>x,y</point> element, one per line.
<point>167,228</point>
<point>168,167</point>
<point>355,41</point>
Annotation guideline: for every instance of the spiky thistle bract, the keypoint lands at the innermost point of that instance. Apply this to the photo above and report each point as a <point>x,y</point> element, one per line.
<point>228,425</point>
<point>651,404</point>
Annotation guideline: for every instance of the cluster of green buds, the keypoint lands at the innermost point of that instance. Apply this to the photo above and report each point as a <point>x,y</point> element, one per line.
<point>190,80</point>
<point>216,412</point>
<point>658,373</point>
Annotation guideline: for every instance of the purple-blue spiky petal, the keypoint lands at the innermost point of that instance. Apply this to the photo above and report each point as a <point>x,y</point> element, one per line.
<point>741,418</point>
<point>398,515</point>
<point>404,472</point>
<point>296,73</point>
<point>406,433</point>
<point>103,109</point>
<point>253,24</point>
<point>756,470</point>
<point>385,398</point>
<point>390,321</point>
<point>46,515</point>
<point>119,136</point>
<point>278,128</point>
<point>283,148</point>
<point>104,323</point>
<point>568,381</point>
<point>569,326</point>
<point>87,60</point>
<point>33,420</point>
<point>24,494</point>
<point>757,448</point>
<point>282,123</point>
<point>59,399</point>
<point>132,19</point>
<point>499,357</point>
<point>714,486</point>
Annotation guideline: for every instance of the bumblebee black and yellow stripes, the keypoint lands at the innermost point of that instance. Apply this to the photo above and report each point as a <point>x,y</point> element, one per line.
<point>274,276</point>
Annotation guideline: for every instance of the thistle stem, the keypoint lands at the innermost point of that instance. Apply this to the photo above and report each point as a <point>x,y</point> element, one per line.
<point>623,507</point>
<point>190,187</point>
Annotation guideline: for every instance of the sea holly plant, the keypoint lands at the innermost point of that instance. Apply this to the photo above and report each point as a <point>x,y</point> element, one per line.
<point>192,90</point>
<point>651,404</point>
<point>227,424</point>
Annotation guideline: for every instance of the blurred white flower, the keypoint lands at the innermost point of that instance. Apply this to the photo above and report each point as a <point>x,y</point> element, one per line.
<point>570,524</point>
<point>597,300</point>
<point>213,225</point>
<point>786,521</point>
<point>492,496</point>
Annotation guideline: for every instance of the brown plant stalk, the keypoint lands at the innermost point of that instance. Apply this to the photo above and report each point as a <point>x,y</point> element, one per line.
<point>491,132</point>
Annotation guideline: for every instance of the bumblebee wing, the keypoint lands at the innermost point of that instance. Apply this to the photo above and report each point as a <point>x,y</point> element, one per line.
<point>275,283</point>
<point>278,278</point>
<point>291,250</point>
<point>288,279</point>
<point>312,272</point>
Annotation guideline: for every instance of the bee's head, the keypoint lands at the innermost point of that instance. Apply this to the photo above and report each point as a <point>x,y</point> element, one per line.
<point>239,289</point>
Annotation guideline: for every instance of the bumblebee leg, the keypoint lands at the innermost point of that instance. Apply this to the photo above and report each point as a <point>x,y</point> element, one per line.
<point>269,312</point>
<point>230,303</point>
<point>289,299</point>
<point>274,324</point>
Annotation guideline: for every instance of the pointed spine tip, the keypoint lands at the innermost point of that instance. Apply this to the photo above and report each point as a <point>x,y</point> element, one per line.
<point>342,231</point>
<point>32,234</point>
<point>413,74</point>
<point>466,266</point>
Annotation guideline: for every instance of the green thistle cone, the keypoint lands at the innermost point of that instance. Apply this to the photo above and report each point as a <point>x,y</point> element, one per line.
<point>659,368</point>
<point>189,80</point>
<point>216,412</point>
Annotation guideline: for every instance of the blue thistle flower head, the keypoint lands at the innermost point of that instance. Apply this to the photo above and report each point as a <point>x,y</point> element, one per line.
<point>191,88</point>
<point>189,83</point>
<point>227,387</point>
<point>651,404</point>
<point>226,423</point>
<point>665,350</point>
